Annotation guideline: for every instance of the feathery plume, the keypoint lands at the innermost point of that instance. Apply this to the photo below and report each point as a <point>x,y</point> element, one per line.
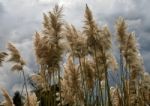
<point>112,62</point>
<point>122,34</point>
<point>48,45</point>
<point>17,67</point>
<point>39,80</point>
<point>71,83</point>
<point>88,69</point>
<point>77,41</point>
<point>91,30</point>
<point>105,38</point>
<point>53,25</point>
<point>131,54</point>
<point>2,57</point>
<point>32,100</point>
<point>16,58</point>
<point>41,50</point>
<point>115,96</point>
<point>8,99</point>
<point>145,88</point>
<point>14,53</point>
<point>132,92</point>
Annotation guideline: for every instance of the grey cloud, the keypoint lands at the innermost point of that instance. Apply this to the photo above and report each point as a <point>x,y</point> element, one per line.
<point>1,9</point>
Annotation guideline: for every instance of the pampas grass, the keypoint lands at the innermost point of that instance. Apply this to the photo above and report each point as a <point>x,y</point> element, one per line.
<point>49,47</point>
<point>115,96</point>
<point>2,57</point>
<point>76,40</point>
<point>18,61</point>
<point>8,100</point>
<point>15,57</point>
<point>32,100</point>
<point>87,55</point>
<point>71,83</point>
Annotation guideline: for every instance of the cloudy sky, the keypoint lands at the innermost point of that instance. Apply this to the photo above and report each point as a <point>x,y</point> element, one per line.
<point>20,19</point>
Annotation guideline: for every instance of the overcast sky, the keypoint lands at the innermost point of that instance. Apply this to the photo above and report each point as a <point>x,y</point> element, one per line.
<point>20,19</point>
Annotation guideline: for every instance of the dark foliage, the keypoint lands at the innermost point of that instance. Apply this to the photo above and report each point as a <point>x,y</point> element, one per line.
<point>17,99</point>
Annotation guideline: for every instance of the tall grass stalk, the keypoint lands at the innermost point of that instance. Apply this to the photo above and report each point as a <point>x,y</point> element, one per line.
<point>25,82</point>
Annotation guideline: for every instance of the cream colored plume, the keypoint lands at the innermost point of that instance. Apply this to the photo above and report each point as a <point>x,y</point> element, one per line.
<point>122,34</point>
<point>115,96</point>
<point>8,100</point>
<point>2,57</point>
<point>15,57</point>
<point>76,40</point>
<point>39,80</point>
<point>71,88</point>
<point>32,100</point>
